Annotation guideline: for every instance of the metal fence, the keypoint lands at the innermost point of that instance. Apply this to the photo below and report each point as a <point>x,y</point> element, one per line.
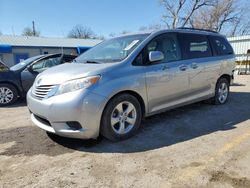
<point>243,64</point>
<point>241,45</point>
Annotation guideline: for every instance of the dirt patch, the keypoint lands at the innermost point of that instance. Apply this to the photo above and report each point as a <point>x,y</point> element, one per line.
<point>220,176</point>
<point>195,164</point>
<point>170,150</point>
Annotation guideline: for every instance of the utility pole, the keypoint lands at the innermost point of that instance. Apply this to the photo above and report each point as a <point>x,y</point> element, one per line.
<point>34,30</point>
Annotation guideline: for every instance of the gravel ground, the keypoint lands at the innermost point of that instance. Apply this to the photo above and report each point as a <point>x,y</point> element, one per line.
<point>199,145</point>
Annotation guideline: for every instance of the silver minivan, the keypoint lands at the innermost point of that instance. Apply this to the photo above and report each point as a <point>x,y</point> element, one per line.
<point>111,87</point>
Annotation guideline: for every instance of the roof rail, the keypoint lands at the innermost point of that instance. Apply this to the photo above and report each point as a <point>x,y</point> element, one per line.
<point>190,28</point>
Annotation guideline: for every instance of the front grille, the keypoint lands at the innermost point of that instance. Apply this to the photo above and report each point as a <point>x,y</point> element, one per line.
<point>42,91</point>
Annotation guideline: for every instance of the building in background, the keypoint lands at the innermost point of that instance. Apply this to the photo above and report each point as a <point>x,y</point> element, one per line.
<point>14,49</point>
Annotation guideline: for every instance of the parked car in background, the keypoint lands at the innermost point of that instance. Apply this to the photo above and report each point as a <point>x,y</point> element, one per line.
<point>115,84</point>
<point>17,80</point>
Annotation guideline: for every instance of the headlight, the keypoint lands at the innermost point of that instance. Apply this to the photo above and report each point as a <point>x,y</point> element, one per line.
<point>77,84</point>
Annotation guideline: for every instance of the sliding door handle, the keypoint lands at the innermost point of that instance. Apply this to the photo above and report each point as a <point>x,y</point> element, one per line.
<point>194,65</point>
<point>183,67</point>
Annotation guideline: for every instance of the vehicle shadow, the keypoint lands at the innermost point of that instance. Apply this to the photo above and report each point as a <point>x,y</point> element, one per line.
<point>162,130</point>
<point>172,127</point>
<point>19,103</point>
<point>237,84</point>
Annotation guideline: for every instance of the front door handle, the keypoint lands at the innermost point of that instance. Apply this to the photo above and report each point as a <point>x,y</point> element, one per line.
<point>194,65</point>
<point>183,67</point>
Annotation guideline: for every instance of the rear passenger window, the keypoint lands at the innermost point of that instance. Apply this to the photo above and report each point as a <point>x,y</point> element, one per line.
<point>194,46</point>
<point>221,46</point>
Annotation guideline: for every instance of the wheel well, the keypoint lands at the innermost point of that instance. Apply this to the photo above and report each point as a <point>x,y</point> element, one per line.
<point>10,83</point>
<point>136,95</point>
<point>228,77</point>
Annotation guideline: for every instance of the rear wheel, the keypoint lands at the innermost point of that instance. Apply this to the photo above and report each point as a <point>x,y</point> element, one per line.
<point>8,94</point>
<point>221,91</point>
<point>121,117</point>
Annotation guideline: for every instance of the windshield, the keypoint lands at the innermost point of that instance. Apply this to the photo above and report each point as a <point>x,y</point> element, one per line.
<point>113,50</point>
<point>24,63</point>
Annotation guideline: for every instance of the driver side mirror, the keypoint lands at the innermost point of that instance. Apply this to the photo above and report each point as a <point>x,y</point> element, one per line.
<point>155,56</point>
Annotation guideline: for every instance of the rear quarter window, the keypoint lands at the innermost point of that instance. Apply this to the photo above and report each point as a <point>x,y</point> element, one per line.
<point>194,46</point>
<point>221,46</point>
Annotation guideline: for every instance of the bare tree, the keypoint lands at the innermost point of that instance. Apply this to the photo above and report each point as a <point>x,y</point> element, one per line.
<point>143,28</point>
<point>244,29</point>
<point>112,35</point>
<point>241,25</point>
<point>27,31</point>
<point>100,37</point>
<point>223,16</point>
<point>83,32</point>
<point>1,33</point>
<point>178,14</point>
<point>124,32</point>
<point>151,27</point>
<point>215,17</point>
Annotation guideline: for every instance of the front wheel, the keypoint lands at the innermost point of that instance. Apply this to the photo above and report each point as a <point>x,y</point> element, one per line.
<point>221,91</point>
<point>8,94</point>
<point>121,117</point>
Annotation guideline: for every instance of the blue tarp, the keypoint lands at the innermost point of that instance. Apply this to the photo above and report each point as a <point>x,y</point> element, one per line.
<point>82,49</point>
<point>5,48</point>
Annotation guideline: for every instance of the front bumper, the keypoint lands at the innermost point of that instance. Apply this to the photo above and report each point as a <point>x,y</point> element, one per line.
<point>81,106</point>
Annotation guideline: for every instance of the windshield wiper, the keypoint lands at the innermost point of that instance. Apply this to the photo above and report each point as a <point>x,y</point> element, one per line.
<point>93,62</point>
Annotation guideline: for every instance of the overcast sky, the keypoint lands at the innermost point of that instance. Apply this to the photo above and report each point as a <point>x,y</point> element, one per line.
<point>54,18</point>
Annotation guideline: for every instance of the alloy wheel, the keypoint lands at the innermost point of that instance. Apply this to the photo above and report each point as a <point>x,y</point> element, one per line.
<point>6,95</point>
<point>123,118</point>
<point>223,92</point>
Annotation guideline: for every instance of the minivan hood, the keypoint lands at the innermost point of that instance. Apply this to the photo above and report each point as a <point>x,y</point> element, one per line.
<point>65,72</point>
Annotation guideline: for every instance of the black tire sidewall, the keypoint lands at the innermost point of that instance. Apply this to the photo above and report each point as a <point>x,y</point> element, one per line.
<point>106,129</point>
<point>15,94</point>
<point>216,98</point>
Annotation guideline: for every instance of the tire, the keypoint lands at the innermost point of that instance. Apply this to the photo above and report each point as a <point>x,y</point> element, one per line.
<point>8,94</point>
<point>121,118</point>
<point>222,89</point>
